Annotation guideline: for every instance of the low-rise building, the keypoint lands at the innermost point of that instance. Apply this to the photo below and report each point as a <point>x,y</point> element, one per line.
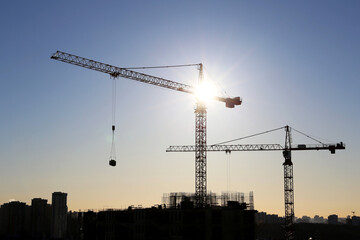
<point>333,219</point>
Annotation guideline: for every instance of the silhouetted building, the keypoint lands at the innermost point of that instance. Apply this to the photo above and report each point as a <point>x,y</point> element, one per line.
<point>15,220</point>
<point>89,225</point>
<point>333,219</point>
<point>74,225</point>
<point>318,219</point>
<point>173,199</point>
<point>264,218</point>
<point>310,231</point>
<point>303,219</point>
<point>348,220</point>
<point>274,219</point>
<point>186,222</point>
<point>260,217</point>
<point>355,221</point>
<point>59,218</point>
<point>40,218</point>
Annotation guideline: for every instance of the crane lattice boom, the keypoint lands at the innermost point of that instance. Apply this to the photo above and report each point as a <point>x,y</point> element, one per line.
<point>137,76</point>
<point>257,147</point>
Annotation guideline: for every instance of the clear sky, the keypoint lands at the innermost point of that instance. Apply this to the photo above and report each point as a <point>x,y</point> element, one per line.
<point>295,63</point>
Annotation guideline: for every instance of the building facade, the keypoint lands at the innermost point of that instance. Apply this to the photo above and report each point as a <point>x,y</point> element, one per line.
<point>40,218</point>
<point>59,218</point>
<point>14,220</point>
<point>232,222</point>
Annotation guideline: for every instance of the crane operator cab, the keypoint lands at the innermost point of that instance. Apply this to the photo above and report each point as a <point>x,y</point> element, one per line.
<point>112,163</point>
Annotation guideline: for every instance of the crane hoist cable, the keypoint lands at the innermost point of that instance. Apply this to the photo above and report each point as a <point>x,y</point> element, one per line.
<point>112,158</point>
<point>112,161</point>
<point>228,153</point>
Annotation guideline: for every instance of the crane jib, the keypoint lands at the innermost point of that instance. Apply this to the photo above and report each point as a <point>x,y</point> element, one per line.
<point>120,72</point>
<point>141,77</point>
<point>258,147</point>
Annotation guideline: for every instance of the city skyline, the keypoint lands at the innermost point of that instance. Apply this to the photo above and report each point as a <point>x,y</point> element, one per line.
<point>60,198</point>
<point>175,217</point>
<point>292,64</point>
<point>37,200</point>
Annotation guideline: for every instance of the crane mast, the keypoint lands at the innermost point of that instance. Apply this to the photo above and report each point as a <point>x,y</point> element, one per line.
<point>200,150</point>
<point>200,109</point>
<point>288,186</point>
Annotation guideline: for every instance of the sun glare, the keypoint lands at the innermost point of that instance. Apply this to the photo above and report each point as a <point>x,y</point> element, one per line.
<point>205,92</point>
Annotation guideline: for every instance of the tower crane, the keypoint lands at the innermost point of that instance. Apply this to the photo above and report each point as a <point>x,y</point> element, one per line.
<point>200,108</point>
<point>288,165</point>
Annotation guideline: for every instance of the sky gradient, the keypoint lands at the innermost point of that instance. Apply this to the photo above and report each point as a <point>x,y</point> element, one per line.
<point>293,63</point>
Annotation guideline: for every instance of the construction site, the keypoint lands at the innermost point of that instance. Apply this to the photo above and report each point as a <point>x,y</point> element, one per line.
<point>180,120</point>
<point>228,207</point>
<point>176,218</point>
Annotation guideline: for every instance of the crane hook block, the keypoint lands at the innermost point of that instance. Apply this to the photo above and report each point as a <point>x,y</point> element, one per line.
<point>112,163</point>
<point>113,127</point>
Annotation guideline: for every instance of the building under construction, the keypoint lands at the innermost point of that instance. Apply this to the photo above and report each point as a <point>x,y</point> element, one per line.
<point>173,200</point>
<point>179,220</point>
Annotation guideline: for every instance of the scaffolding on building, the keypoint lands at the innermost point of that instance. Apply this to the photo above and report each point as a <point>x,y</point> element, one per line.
<point>175,199</point>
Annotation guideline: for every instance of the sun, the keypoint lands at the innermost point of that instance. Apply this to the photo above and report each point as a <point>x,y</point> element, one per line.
<point>205,91</point>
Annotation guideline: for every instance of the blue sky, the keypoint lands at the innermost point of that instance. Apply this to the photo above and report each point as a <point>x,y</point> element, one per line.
<point>294,63</point>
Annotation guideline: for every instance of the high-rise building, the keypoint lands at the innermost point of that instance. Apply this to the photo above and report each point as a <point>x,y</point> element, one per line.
<point>15,219</point>
<point>59,212</point>
<point>40,218</point>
